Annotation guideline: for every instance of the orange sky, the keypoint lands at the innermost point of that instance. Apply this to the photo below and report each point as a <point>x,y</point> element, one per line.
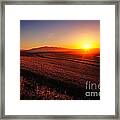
<point>74,34</point>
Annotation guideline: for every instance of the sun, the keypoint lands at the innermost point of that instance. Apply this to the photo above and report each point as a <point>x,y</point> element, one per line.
<point>87,46</point>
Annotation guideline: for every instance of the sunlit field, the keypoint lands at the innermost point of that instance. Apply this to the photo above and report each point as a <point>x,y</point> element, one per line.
<point>59,75</point>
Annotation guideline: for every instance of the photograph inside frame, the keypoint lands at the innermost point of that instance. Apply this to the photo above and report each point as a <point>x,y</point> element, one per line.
<point>59,59</point>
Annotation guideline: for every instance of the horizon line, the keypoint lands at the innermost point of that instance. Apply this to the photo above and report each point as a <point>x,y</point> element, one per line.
<point>57,47</point>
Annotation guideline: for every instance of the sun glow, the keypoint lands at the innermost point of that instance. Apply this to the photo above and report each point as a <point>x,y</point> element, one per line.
<point>87,46</point>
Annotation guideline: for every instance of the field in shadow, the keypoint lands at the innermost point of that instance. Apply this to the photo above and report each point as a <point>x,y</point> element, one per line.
<point>31,83</point>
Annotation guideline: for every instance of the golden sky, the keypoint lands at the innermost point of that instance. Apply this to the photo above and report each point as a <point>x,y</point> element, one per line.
<point>73,34</point>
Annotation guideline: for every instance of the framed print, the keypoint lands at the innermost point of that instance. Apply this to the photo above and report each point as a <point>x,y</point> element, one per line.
<point>59,59</point>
